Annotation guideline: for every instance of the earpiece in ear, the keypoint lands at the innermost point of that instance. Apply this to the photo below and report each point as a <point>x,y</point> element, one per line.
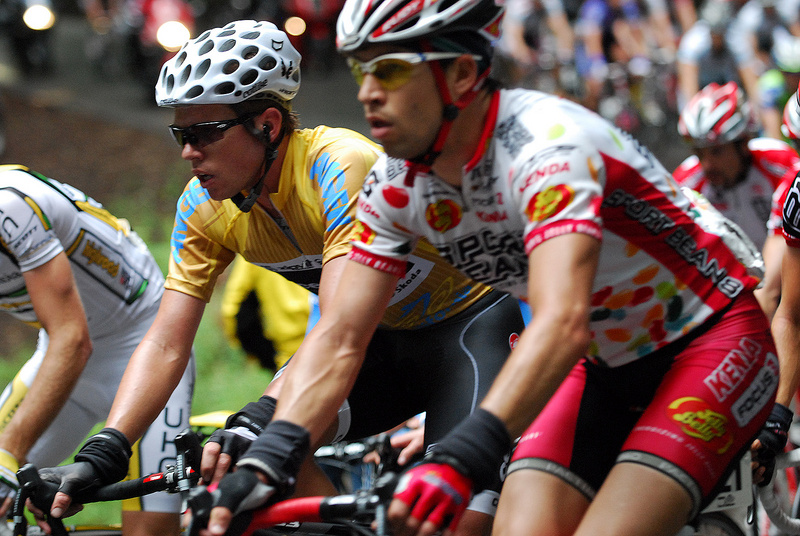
<point>265,131</point>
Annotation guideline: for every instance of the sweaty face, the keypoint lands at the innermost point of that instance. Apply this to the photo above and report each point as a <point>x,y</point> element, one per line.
<point>722,164</point>
<point>225,160</point>
<point>403,119</point>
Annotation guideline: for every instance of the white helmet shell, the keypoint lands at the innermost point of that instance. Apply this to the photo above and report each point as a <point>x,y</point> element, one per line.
<point>373,22</point>
<point>243,60</point>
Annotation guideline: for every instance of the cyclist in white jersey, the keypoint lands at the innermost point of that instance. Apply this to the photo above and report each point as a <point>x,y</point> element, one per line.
<point>541,198</point>
<point>742,175</point>
<point>89,283</point>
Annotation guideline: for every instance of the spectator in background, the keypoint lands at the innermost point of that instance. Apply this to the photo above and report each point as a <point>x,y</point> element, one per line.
<point>741,175</point>
<point>266,314</point>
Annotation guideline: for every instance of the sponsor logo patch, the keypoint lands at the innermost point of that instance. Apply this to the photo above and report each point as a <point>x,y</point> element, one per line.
<point>697,419</point>
<point>549,202</point>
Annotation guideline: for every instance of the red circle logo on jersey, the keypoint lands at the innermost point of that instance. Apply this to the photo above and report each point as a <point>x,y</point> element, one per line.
<point>697,419</point>
<point>443,215</point>
<point>549,202</point>
<point>513,339</point>
<point>396,197</point>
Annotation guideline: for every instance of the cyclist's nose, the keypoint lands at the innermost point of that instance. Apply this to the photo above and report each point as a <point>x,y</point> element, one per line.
<point>370,90</point>
<point>189,152</point>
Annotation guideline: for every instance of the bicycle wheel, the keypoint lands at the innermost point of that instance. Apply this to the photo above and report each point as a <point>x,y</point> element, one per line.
<point>717,524</point>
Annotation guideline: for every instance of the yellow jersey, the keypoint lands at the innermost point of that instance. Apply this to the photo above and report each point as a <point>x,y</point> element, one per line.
<point>322,174</point>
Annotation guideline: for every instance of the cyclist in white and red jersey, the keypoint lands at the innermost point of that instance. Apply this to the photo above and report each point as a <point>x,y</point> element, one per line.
<point>285,198</point>
<point>81,275</point>
<point>541,198</point>
<point>743,176</point>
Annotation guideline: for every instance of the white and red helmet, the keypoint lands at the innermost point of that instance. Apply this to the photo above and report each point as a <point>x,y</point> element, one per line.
<point>717,115</point>
<point>791,118</point>
<point>402,22</point>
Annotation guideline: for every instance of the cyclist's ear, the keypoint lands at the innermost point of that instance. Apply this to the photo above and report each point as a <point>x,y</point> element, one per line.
<point>464,72</point>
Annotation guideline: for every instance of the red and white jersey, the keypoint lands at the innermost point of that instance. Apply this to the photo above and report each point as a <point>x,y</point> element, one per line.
<point>754,203</point>
<point>546,167</point>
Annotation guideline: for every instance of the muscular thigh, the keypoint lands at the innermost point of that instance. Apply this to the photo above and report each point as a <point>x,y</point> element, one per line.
<point>156,449</point>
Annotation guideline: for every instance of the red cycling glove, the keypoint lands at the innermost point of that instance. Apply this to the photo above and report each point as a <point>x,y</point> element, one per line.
<point>435,492</point>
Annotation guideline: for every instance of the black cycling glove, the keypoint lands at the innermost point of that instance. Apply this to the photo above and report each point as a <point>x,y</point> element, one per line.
<point>243,427</point>
<point>773,437</point>
<point>278,453</point>
<point>476,448</point>
<point>102,460</point>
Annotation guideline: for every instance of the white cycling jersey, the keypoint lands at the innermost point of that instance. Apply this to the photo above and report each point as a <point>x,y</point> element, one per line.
<point>120,285</point>
<point>117,278</point>
<point>546,167</point>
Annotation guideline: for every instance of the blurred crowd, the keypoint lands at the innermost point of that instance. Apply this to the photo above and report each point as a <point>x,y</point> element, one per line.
<point>638,62</point>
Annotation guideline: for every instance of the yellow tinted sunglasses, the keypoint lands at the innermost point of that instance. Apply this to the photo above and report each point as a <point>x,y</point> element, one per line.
<point>394,70</point>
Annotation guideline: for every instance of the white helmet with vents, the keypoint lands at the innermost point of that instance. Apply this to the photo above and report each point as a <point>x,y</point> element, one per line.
<point>243,60</point>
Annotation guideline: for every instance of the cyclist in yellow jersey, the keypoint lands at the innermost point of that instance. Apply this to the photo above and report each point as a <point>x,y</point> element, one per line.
<point>285,199</point>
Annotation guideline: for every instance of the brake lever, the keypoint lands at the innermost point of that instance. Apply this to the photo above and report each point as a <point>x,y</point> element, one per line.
<point>41,494</point>
<point>199,504</point>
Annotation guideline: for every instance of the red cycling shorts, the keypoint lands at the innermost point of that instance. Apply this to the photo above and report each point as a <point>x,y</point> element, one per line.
<point>688,410</point>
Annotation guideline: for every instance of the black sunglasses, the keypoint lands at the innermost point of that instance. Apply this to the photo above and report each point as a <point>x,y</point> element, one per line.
<point>202,134</point>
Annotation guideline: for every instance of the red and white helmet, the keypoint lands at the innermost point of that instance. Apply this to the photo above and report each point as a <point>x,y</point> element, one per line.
<point>717,115</point>
<point>399,22</point>
<point>791,118</point>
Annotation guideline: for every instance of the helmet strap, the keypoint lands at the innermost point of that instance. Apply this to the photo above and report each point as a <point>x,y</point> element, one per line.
<point>245,203</point>
<point>424,162</point>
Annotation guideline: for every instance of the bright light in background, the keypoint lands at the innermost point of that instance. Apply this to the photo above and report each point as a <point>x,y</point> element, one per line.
<point>295,26</point>
<point>38,17</point>
<point>172,35</point>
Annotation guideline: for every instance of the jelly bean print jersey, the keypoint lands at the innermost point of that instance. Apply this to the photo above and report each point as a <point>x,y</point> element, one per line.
<point>546,167</point>
<point>118,280</point>
<point>321,177</point>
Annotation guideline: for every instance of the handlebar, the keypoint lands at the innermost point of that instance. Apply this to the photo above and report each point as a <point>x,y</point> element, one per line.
<point>175,479</point>
<point>363,506</point>
<point>780,519</point>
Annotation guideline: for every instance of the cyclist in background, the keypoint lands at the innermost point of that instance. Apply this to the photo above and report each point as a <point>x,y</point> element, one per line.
<point>285,198</point>
<point>539,197</point>
<point>741,175</point>
<point>525,47</point>
<point>81,275</point>
<point>265,314</point>
<point>609,31</point>
<point>712,52</point>
<point>776,85</point>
